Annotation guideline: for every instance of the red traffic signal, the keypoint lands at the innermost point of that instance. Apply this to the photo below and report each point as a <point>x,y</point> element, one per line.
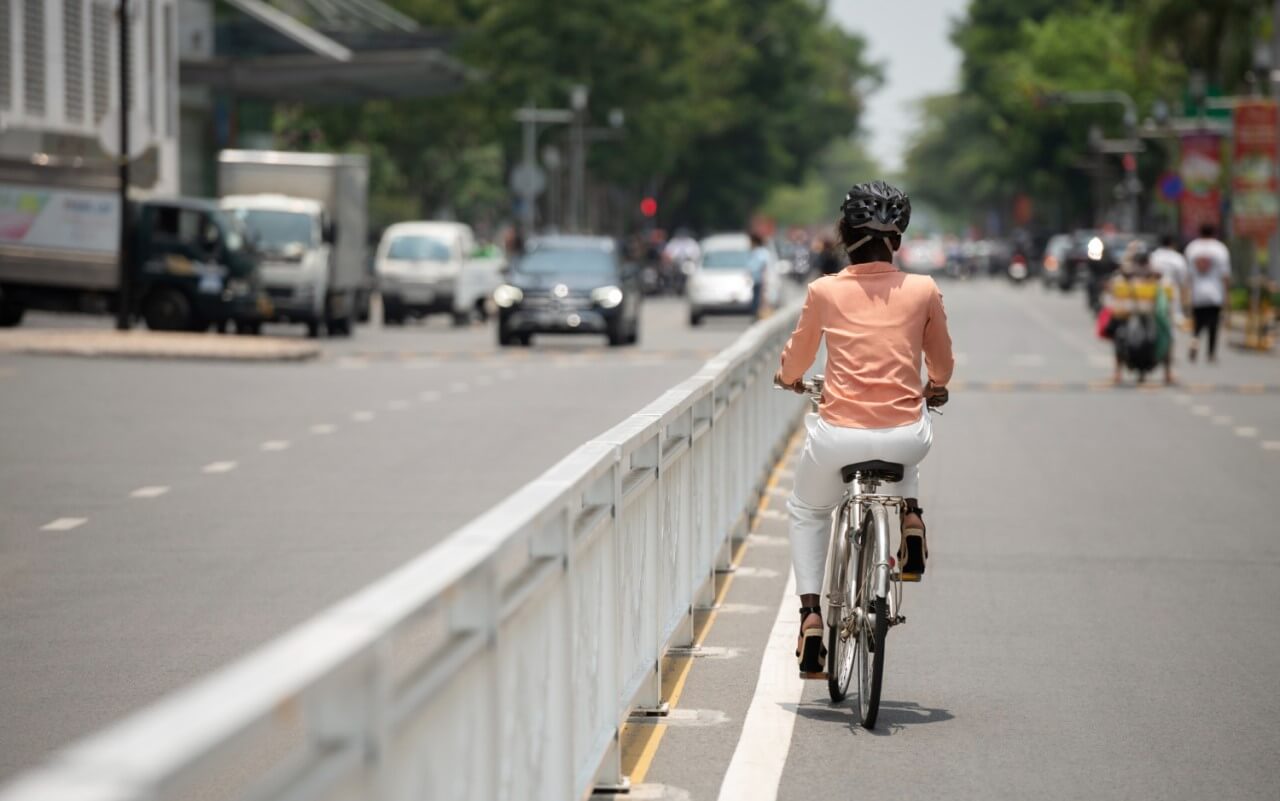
<point>649,207</point>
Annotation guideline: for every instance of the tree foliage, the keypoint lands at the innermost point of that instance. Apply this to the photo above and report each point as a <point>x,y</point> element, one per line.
<point>1002,134</point>
<point>724,99</point>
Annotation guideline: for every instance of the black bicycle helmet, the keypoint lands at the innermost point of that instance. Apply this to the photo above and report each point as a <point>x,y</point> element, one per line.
<point>876,209</point>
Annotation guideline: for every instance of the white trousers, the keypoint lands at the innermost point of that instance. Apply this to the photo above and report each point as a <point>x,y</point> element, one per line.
<point>819,487</point>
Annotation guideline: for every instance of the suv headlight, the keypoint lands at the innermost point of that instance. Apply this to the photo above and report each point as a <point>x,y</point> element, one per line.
<point>606,297</point>
<point>507,296</point>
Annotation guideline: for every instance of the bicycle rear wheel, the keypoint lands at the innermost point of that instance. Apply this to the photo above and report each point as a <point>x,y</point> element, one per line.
<point>841,645</point>
<point>872,630</point>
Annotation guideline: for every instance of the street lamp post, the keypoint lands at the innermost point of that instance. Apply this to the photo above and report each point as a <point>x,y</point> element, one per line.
<point>1131,187</point>
<point>125,295</point>
<point>577,165</point>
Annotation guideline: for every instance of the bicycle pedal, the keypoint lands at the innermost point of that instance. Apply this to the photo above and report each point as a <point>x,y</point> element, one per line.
<point>910,577</point>
<point>900,619</point>
<point>814,676</point>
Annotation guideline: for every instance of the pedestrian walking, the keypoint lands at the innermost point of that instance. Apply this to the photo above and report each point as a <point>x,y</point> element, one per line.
<point>1171,266</point>
<point>1208,287</point>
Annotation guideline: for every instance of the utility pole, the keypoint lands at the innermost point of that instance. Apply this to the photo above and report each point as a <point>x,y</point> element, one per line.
<point>529,181</point>
<point>577,165</point>
<point>1273,251</point>
<point>125,295</point>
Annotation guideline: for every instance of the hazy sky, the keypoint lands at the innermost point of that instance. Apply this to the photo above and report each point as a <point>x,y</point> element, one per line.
<point>910,37</point>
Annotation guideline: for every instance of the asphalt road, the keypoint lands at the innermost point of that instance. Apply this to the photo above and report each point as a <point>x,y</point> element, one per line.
<point>159,519</point>
<point>1101,614</point>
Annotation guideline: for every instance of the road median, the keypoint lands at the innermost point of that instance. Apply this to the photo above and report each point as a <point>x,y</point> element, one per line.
<point>142,344</point>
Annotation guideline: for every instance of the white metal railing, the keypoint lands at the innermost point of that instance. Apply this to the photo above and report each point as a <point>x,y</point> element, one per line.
<point>499,664</point>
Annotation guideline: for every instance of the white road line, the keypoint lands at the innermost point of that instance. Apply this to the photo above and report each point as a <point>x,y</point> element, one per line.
<point>483,381</point>
<point>1182,399</point>
<point>275,445</point>
<point>507,375</point>
<point>1246,431</point>
<point>756,768</point>
<point>362,417</point>
<point>397,405</point>
<point>64,524</point>
<point>429,396</point>
<point>219,467</point>
<point>1221,420</point>
<point>351,363</point>
<point>1027,360</point>
<point>1201,411</point>
<point>459,386</point>
<point>1271,445</point>
<point>323,428</point>
<point>148,492</point>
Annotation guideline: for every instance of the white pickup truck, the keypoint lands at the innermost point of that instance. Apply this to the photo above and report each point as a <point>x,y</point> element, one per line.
<point>428,268</point>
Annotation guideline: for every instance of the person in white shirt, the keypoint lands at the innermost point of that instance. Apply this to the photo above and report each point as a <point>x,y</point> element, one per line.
<point>1209,282</point>
<point>1171,266</point>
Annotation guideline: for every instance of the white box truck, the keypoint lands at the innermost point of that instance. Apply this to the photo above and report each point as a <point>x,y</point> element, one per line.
<point>308,215</point>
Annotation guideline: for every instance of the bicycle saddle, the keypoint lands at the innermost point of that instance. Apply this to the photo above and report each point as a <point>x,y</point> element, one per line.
<point>874,469</point>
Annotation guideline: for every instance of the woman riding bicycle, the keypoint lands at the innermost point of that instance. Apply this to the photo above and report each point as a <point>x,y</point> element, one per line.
<point>877,322</point>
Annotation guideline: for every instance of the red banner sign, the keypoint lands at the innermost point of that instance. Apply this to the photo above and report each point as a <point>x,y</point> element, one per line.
<point>1201,173</point>
<point>1254,206</point>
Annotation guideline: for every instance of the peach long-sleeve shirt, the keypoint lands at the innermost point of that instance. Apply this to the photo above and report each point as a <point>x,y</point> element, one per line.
<point>878,322</point>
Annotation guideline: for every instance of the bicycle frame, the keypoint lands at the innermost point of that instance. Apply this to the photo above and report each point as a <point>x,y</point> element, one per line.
<point>871,510</point>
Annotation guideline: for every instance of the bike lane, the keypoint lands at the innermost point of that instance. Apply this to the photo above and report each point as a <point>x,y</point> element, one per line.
<point>1098,621</point>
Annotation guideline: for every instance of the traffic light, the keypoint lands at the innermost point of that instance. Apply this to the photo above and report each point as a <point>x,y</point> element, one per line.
<point>649,207</point>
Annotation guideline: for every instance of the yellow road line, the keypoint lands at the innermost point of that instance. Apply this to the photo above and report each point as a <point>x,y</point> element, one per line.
<point>640,743</point>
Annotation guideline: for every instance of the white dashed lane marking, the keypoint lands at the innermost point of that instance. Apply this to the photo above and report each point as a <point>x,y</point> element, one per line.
<point>219,467</point>
<point>429,396</point>
<point>323,428</point>
<point>397,405</point>
<point>64,524</point>
<point>275,445</point>
<point>1222,420</point>
<point>459,386</point>
<point>1027,360</point>
<point>483,381</point>
<point>1201,411</point>
<point>362,417</point>
<point>1246,431</point>
<point>1271,445</point>
<point>148,492</point>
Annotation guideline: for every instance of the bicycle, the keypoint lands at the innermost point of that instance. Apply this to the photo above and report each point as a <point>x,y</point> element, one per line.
<point>864,586</point>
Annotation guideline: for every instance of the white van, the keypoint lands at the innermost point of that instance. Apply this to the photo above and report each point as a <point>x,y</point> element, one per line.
<point>428,268</point>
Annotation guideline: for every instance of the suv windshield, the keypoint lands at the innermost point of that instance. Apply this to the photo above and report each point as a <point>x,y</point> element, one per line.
<point>418,248</point>
<point>568,260</point>
<point>726,260</point>
<point>278,231</point>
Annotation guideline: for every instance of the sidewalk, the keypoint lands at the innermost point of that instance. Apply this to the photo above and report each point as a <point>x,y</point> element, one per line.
<point>143,344</point>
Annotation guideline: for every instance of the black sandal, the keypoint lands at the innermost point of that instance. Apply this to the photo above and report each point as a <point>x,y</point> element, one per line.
<point>914,550</point>
<point>812,654</point>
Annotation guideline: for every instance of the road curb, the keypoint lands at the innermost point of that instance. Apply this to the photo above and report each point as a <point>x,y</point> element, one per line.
<point>155,345</point>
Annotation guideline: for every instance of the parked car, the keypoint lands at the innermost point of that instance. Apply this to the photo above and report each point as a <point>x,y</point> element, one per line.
<point>569,285</point>
<point>722,282</point>
<point>426,268</point>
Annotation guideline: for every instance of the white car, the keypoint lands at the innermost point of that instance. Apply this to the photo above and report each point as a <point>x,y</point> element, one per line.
<point>722,282</point>
<point>428,268</point>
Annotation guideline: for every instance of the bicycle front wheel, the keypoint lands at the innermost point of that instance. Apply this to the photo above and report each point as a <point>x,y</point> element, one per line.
<point>872,622</point>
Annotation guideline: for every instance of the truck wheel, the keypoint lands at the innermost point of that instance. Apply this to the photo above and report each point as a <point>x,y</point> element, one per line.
<point>313,329</point>
<point>339,328</point>
<point>10,313</point>
<point>168,310</point>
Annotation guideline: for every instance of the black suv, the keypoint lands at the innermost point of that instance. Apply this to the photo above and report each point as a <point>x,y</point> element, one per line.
<point>569,285</point>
